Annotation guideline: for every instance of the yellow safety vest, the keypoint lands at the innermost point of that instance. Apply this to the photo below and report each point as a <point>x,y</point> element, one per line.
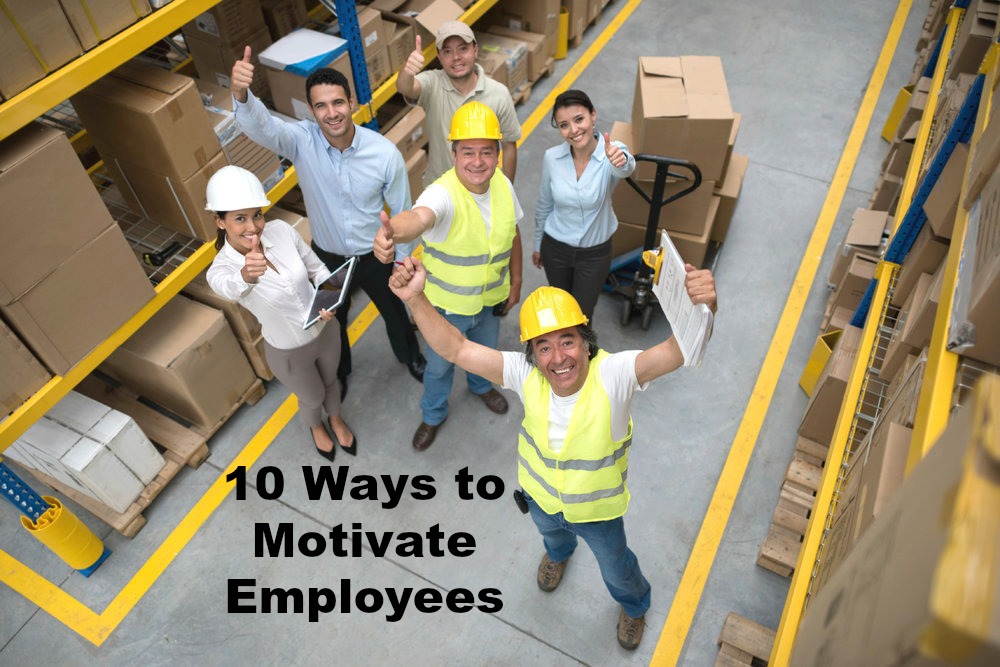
<point>585,480</point>
<point>468,271</point>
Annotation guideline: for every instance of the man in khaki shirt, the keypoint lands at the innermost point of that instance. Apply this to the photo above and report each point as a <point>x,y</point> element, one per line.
<point>441,92</point>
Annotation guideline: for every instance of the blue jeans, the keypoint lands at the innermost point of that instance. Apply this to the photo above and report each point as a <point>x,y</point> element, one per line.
<point>482,328</point>
<point>619,566</point>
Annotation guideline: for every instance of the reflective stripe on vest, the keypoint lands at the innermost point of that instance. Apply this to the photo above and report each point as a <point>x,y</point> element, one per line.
<point>461,277</point>
<point>585,480</point>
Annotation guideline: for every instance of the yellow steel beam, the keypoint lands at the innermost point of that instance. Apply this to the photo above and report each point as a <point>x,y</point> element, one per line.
<point>927,117</point>
<point>934,404</point>
<point>28,105</point>
<point>804,566</point>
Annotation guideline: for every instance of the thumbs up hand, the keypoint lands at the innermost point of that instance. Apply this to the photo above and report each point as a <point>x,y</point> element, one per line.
<point>615,155</point>
<point>415,63</point>
<point>254,263</point>
<point>383,246</point>
<point>242,76</point>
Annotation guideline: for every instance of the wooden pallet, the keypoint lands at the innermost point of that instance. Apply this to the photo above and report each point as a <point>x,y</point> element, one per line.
<point>182,444</point>
<point>521,94</point>
<point>743,642</point>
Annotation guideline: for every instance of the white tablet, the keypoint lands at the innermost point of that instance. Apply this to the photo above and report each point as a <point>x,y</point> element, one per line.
<point>331,293</point>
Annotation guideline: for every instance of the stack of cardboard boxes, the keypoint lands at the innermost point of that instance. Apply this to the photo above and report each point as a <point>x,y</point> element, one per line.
<point>90,448</point>
<point>68,278</point>
<point>283,16</point>
<point>39,36</point>
<point>157,142</point>
<point>537,17</point>
<point>681,110</point>
<point>406,129</point>
<point>216,39</point>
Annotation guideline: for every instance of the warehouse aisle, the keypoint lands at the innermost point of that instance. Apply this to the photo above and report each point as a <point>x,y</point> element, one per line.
<point>796,72</point>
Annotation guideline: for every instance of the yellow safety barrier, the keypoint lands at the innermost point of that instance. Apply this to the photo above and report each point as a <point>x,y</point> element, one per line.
<point>68,537</point>
<point>562,37</point>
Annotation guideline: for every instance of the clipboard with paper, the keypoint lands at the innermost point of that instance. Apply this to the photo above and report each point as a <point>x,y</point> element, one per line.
<point>691,323</point>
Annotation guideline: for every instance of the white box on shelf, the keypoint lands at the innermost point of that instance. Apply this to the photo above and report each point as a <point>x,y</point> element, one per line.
<point>100,470</point>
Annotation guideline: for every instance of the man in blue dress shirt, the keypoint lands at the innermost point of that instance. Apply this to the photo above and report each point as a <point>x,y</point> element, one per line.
<point>347,173</point>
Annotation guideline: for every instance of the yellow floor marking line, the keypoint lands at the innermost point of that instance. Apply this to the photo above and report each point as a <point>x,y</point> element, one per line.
<point>692,584</point>
<point>97,627</point>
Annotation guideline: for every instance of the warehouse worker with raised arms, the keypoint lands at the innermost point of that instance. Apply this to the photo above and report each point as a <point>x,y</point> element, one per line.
<point>573,443</point>
<point>468,222</point>
<point>347,174</point>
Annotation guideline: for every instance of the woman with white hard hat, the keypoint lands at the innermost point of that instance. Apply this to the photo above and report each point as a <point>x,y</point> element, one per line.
<point>269,270</point>
<point>574,221</point>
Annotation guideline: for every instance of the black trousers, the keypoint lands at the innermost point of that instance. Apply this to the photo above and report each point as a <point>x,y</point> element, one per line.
<point>580,271</point>
<point>372,276</point>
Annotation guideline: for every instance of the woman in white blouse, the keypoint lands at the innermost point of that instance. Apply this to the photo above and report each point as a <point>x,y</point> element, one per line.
<point>573,217</point>
<point>271,271</point>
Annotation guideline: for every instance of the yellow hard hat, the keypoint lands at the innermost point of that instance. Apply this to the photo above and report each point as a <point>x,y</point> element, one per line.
<point>474,120</point>
<point>549,309</point>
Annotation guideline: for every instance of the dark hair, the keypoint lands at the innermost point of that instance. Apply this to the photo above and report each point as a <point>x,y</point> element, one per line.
<point>569,98</point>
<point>586,332</point>
<point>329,77</point>
<point>220,233</point>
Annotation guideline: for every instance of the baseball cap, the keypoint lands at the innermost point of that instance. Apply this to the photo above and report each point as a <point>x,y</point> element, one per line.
<point>454,29</point>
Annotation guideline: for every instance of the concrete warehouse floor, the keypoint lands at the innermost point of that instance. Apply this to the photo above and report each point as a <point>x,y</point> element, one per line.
<point>797,72</point>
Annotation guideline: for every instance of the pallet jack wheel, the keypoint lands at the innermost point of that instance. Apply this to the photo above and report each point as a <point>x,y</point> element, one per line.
<point>626,311</point>
<point>647,316</point>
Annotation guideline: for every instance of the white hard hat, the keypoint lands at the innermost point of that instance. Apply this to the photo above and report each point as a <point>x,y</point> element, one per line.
<point>233,188</point>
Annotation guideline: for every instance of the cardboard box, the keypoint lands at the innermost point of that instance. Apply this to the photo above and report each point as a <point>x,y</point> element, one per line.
<point>495,66</point>
<point>694,247</point>
<point>925,256</point>
<point>35,39</point>
<point>40,230</point>
<point>425,16</point>
<point>379,68</point>
<point>416,164</point>
<point>81,303</point>
<point>230,21</point>
<point>187,360</point>
<point>535,45</point>
<point>513,50</point>
<point>681,109</point>
<point>728,193</point>
<point>172,202</point>
<point>985,154</point>
<point>839,318</point>
<point>629,237</point>
<point>866,235</point>
<point>149,117</point>
<point>917,100</point>
<point>911,591</point>
<point>374,32</point>
<point>973,39</point>
<point>402,41</point>
<point>886,193</point>
<point>254,351</point>
<point>883,468</point>
<point>213,59</point>
<point>820,354</point>
<point>821,413</point>
<point>737,119</point>
<point>297,220</point>
<point>942,202</point>
<point>897,159</point>
<point>291,59</point>
<point>538,16</point>
<point>593,10</point>
<point>22,375</point>
<point>283,16</point>
<point>409,132</point>
<point>242,322</point>
<point>685,215</point>
<point>577,10</point>
<point>919,323</point>
<point>854,283</point>
<point>93,22</point>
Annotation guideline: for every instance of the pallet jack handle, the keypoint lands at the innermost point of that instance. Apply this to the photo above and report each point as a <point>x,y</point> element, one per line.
<point>688,171</point>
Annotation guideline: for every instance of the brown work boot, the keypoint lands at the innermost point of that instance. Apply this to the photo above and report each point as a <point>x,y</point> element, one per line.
<point>630,630</point>
<point>424,436</point>
<point>550,573</point>
<point>495,401</point>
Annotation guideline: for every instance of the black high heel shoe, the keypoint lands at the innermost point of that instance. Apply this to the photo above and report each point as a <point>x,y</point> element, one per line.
<point>328,455</point>
<point>353,449</point>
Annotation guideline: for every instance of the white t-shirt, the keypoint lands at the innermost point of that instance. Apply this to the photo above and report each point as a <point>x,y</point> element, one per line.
<point>437,199</point>
<point>617,376</point>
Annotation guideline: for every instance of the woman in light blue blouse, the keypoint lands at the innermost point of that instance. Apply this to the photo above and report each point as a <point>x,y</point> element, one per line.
<point>573,217</point>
